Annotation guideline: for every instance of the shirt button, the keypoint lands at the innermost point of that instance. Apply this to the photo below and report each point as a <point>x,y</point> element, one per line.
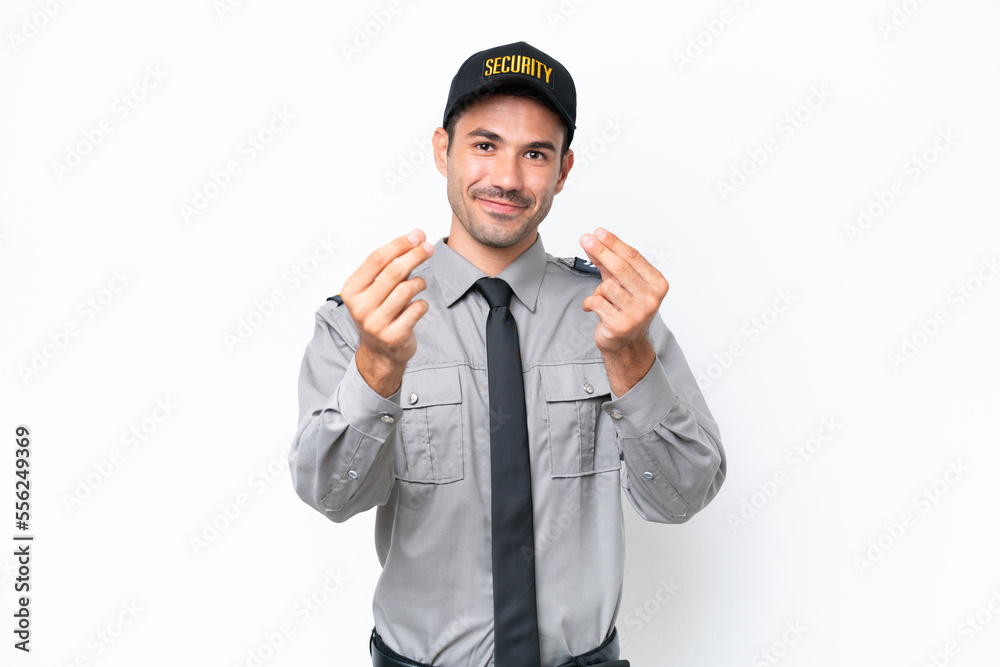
<point>412,398</point>
<point>353,474</point>
<point>589,388</point>
<point>616,415</point>
<point>388,419</point>
<point>647,475</point>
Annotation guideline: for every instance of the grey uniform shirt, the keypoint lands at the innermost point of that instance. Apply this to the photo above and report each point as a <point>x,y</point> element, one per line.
<point>422,457</point>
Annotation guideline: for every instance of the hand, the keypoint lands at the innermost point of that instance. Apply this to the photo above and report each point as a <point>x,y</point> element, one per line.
<point>626,301</point>
<point>379,297</point>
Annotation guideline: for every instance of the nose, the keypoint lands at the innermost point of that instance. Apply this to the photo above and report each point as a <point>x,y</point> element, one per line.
<point>506,173</point>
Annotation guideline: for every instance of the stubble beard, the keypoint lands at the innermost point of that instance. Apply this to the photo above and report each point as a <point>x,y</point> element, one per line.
<point>496,231</point>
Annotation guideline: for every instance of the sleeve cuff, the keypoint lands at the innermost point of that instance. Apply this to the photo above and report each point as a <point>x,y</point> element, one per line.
<point>644,406</point>
<point>364,408</point>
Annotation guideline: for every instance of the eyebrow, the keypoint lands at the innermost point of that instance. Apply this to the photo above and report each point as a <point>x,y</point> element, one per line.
<point>496,138</point>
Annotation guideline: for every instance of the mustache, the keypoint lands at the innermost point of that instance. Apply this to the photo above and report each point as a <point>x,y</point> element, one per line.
<point>511,196</point>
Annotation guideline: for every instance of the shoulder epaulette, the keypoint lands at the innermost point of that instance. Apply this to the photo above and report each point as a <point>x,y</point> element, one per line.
<point>336,299</point>
<point>580,264</point>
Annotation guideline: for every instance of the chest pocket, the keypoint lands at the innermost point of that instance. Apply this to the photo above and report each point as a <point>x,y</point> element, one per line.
<point>580,443</point>
<point>431,443</point>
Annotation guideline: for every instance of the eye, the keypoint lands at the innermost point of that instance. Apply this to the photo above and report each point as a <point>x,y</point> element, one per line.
<point>535,155</point>
<point>483,146</point>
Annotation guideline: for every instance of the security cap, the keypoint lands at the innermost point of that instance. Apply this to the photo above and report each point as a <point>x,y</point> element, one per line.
<point>519,62</point>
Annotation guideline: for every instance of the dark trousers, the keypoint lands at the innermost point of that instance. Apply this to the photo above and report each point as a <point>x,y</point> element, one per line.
<point>604,655</point>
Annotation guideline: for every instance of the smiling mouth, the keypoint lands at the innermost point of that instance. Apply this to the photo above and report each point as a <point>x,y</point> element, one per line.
<point>499,206</point>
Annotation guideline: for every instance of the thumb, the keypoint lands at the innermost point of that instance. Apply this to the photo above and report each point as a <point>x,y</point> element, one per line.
<point>593,260</point>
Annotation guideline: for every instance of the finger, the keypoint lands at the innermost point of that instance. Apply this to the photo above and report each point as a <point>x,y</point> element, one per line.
<point>605,310</point>
<point>610,264</point>
<point>627,265</point>
<point>616,295</point>
<point>605,274</point>
<point>640,264</point>
<point>635,285</point>
<point>397,271</point>
<point>379,259</point>
<point>406,320</point>
<point>399,298</point>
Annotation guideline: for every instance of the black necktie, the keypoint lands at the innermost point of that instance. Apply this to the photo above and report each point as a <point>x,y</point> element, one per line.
<point>515,615</point>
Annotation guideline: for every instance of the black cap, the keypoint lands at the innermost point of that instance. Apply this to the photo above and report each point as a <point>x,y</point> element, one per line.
<point>518,62</point>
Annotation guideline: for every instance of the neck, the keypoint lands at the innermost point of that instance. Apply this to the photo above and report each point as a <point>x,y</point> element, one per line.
<point>491,261</point>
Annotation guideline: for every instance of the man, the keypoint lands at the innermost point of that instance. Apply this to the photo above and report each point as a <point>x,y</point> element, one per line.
<point>488,420</point>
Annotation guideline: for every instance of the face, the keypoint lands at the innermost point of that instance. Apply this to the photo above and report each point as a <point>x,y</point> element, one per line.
<point>503,170</point>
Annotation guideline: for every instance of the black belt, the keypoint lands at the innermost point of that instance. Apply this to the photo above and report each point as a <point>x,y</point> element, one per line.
<point>605,655</point>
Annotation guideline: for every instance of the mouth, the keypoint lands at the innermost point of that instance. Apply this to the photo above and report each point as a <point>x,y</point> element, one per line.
<point>498,206</point>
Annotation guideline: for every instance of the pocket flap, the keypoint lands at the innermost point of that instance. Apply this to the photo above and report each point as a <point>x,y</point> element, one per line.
<point>574,382</point>
<point>430,386</point>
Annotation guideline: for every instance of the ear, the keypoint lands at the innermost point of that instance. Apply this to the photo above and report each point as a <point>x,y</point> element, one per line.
<point>440,143</point>
<point>567,164</point>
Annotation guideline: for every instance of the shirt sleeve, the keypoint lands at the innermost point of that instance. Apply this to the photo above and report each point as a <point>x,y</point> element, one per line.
<point>341,458</point>
<point>671,445</point>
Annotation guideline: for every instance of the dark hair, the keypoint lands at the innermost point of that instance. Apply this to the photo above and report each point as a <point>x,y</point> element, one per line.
<point>509,88</point>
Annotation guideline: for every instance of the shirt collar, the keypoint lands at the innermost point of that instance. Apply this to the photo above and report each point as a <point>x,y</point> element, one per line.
<point>455,274</point>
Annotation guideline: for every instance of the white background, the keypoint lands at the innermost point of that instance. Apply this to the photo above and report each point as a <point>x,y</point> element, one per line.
<point>843,547</point>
